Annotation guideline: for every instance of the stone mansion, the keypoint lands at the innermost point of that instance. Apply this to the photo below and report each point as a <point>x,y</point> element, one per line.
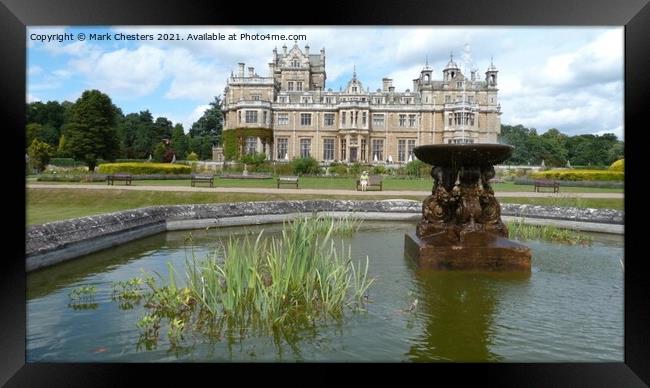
<point>292,114</point>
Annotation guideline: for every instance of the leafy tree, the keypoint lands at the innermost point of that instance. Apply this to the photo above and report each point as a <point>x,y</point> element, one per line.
<point>51,116</point>
<point>159,152</point>
<point>163,128</point>
<point>146,136</point>
<point>210,125</point>
<point>179,141</point>
<point>555,148</point>
<point>39,154</point>
<point>63,150</point>
<point>519,137</point>
<point>552,148</point>
<point>616,152</point>
<point>202,146</point>
<point>192,156</point>
<point>33,131</point>
<point>91,132</point>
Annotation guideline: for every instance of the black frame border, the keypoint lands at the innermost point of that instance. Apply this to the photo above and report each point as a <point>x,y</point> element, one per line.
<point>15,15</point>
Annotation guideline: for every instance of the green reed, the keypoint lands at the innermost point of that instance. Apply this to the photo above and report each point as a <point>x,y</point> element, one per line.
<point>264,285</point>
<point>522,231</point>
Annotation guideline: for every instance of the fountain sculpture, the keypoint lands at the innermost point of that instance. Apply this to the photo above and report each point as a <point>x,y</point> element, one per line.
<point>461,225</point>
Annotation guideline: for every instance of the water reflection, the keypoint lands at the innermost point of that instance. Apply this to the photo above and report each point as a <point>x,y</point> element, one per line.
<point>458,309</point>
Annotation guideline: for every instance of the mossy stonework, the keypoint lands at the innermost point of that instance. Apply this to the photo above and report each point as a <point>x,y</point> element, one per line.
<point>54,242</point>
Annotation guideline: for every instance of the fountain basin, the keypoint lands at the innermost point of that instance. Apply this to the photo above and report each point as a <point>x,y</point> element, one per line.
<point>448,155</point>
<point>483,253</point>
<point>461,226</point>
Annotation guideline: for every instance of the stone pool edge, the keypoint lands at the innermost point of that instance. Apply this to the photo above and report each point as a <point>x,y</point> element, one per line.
<point>54,242</point>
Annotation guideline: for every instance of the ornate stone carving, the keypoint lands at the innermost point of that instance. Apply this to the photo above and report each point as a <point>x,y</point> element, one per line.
<point>461,223</point>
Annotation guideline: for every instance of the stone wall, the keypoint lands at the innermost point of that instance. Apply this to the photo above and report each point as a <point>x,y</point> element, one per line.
<point>54,242</point>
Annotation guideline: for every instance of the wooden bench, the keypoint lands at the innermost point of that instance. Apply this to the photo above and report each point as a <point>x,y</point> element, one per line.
<point>375,181</point>
<point>196,178</point>
<point>547,183</point>
<point>288,180</point>
<point>111,178</point>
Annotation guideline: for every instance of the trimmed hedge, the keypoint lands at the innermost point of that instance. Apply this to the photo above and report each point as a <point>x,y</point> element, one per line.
<point>65,162</point>
<point>618,165</point>
<point>144,168</point>
<point>580,175</point>
<point>594,184</point>
<point>102,177</point>
<point>70,178</point>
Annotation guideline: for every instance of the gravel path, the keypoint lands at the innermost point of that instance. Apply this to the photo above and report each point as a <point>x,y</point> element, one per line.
<point>259,190</point>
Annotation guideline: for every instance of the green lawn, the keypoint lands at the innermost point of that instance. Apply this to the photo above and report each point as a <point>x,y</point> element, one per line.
<point>345,183</point>
<point>46,205</point>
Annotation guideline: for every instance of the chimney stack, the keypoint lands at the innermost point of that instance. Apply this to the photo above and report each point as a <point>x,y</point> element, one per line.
<point>251,71</point>
<point>271,68</point>
<point>241,69</point>
<point>284,49</point>
<point>307,50</point>
<point>387,83</point>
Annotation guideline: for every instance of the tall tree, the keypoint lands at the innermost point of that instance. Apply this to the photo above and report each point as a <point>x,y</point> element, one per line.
<point>163,127</point>
<point>91,132</point>
<point>146,136</point>
<point>179,141</point>
<point>51,116</point>
<point>210,125</point>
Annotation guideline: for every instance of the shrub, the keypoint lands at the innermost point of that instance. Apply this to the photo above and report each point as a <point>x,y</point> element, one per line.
<point>65,162</point>
<point>307,165</point>
<point>159,152</point>
<point>39,154</point>
<point>580,175</point>
<point>618,165</point>
<point>144,168</point>
<point>192,156</point>
<point>418,169</point>
<point>377,170</point>
<point>283,168</point>
<point>256,162</point>
<point>356,168</point>
<point>338,169</point>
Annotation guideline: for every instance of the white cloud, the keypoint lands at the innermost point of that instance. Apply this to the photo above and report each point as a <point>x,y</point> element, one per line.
<point>123,72</point>
<point>192,79</point>
<point>32,98</point>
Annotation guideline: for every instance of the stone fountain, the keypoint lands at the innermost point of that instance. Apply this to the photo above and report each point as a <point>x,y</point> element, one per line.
<point>461,225</point>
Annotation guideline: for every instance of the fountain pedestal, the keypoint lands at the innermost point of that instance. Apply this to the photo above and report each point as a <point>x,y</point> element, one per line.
<point>461,225</point>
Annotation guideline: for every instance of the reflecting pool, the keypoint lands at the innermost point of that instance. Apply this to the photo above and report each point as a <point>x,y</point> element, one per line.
<point>568,309</point>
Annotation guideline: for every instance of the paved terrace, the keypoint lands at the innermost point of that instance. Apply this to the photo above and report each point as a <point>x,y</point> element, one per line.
<point>260,190</point>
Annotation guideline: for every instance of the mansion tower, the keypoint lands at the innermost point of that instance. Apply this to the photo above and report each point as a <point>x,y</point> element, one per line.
<point>291,114</point>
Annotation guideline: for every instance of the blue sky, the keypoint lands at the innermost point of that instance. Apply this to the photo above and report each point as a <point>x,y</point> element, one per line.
<point>567,78</point>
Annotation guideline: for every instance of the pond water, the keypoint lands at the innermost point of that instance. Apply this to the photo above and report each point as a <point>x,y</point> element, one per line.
<point>568,309</point>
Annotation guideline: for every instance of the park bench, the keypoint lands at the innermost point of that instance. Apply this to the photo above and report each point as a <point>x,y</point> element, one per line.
<point>373,181</point>
<point>111,178</point>
<point>547,183</point>
<point>288,180</point>
<point>197,178</point>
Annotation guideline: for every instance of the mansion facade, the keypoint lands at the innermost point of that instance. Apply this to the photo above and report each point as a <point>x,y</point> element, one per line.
<point>291,114</point>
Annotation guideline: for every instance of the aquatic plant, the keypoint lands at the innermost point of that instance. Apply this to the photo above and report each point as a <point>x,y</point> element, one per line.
<point>522,231</point>
<point>83,292</point>
<point>127,292</point>
<point>83,298</point>
<point>261,284</point>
